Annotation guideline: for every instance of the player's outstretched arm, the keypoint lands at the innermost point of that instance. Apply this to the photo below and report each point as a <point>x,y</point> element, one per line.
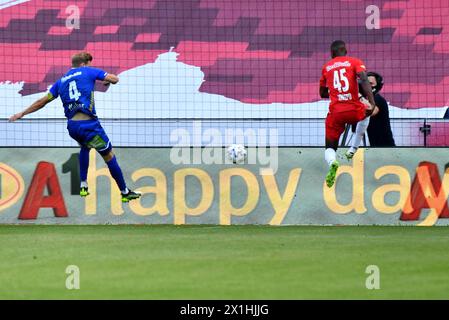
<point>38,104</point>
<point>110,78</point>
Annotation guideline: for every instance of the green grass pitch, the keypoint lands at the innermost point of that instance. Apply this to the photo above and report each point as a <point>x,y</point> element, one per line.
<point>216,262</point>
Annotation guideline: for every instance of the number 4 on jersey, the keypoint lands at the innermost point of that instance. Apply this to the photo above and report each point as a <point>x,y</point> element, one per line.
<point>338,78</point>
<point>73,91</point>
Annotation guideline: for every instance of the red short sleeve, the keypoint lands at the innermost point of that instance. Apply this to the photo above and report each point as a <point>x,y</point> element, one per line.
<point>359,65</point>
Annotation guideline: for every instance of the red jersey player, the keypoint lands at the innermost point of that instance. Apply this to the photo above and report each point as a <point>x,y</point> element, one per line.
<point>339,82</point>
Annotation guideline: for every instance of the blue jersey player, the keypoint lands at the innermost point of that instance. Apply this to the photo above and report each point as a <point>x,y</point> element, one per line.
<point>76,90</point>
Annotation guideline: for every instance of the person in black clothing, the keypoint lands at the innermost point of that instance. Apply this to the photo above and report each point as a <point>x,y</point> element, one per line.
<point>379,128</point>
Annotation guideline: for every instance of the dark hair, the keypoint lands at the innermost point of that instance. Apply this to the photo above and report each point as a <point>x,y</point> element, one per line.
<point>81,57</point>
<point>338,48</point>
<point>379,81</point>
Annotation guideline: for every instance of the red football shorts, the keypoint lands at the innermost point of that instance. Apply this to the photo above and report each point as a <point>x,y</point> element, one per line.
<point>336,122</point>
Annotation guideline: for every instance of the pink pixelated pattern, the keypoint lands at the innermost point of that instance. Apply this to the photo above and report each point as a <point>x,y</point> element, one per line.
<point>255,51</point>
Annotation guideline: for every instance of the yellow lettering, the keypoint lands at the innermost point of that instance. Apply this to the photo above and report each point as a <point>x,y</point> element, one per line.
<point>181,209</point>
<point>281,203</point>
<point>378,198</point>
<point>12,186</point>
<point>91,200</point>
<point>437,202</point>
<point>356,171</point>
<point>159,190</point>
<point>226,207</point>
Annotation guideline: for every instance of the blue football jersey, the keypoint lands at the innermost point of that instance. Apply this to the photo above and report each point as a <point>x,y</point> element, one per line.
<point>76,89</point>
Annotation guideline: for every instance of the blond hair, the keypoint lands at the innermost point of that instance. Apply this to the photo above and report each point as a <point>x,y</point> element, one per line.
<point>81,57</point>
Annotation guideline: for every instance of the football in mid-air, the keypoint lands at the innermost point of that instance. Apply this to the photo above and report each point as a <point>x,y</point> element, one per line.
<point>236,153</point>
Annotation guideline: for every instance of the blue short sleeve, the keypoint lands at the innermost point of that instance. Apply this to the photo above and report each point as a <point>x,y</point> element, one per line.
<point>98,74</point>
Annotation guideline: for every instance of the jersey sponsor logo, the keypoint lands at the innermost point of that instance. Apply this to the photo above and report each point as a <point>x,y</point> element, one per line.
<point>64,79</point>
<point>345,97</point>
<point>338,65</point>
<point>75,106</point>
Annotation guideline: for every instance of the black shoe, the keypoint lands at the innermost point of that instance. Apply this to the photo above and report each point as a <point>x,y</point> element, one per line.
<point>131,195</point>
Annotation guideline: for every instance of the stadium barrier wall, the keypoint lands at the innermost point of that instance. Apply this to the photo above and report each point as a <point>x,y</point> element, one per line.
<point>380,187</point>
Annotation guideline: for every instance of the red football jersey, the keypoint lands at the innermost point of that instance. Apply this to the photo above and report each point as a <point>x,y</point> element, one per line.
<point>339,75</point>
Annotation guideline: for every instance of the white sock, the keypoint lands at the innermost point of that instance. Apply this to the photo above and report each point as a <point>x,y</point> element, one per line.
<point>359,133</point>
<point>83,184</point>
<point>330,155</point>
<point>124,191</point>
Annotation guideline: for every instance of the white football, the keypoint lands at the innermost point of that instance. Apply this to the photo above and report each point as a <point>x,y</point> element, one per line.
<point>236,153</point>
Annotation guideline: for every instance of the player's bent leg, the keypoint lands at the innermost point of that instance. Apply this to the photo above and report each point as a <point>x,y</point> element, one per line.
<point>331,149</point>
<point>332,173</point>
<point>116,173</point>
<point>91,136</point>
<point>100,141</point>
<point>84,166</point>
<point>330,155</point>
<point>107,156</point>
<point>360,131</point>
<point>114,169</point>
<point>76,133</point>
<point>334,128</point>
